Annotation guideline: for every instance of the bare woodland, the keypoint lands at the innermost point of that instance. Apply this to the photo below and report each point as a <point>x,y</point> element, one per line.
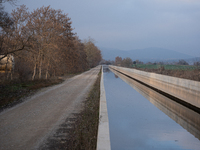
<point>43,44</point>
<point>126,62</point>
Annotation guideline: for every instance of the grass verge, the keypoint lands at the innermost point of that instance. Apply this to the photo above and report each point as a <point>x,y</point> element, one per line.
<point>166,67</point>
<point>184,74</point>
<point>85,131</point>
<point>179,71</point>
<point>13,92</point>
<point>79,132</point>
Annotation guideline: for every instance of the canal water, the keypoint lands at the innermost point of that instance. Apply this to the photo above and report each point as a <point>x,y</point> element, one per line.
<point>140,118</point>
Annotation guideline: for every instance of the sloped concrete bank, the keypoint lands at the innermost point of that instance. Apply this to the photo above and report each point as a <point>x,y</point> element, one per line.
<point>185,91</point>
<point>103,137</point>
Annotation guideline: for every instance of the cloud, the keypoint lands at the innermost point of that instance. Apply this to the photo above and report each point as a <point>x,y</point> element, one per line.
<point>132,24</point>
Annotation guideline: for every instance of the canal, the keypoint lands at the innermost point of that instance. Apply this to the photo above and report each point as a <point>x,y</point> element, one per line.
<point>140,118</point>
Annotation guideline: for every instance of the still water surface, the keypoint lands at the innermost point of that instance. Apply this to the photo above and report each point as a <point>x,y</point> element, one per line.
<point>137,122</point>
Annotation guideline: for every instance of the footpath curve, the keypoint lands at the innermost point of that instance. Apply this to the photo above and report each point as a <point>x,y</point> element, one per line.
<point>29,124</point>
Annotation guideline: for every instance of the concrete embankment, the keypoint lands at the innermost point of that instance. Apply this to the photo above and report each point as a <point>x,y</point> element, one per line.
<point>103,138</point>
<point>187,91</point>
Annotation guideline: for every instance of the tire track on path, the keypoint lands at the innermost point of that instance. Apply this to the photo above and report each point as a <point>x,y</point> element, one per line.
<point>29,124</point>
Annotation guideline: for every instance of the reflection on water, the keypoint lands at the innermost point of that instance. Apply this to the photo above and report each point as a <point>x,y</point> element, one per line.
<point>116,76</point>
<point>137,124</point>
<point>184,116</point>
<point>106,69</point>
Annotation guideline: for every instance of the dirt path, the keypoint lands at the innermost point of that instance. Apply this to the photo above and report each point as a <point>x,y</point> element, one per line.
<point>28,125</point>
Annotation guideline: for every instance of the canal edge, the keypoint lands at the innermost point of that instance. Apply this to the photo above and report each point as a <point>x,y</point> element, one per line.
<point>103,137</point>
<point>177,82</point>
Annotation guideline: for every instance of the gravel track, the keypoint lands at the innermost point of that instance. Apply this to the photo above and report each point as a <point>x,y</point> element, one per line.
<point>29,124</point>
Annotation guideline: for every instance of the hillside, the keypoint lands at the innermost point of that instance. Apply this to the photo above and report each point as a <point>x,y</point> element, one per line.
<point>147,54</point>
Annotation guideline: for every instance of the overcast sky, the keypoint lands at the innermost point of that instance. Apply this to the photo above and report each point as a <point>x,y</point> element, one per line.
<point>132,24</point>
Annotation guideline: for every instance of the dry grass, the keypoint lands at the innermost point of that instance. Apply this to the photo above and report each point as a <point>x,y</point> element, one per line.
<point>80,131</point>
<point>13,92</point>
<point>84,133</point>
<point>185,74</point>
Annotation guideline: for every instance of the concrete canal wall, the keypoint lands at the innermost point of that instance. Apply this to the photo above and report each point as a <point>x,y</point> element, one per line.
<point>187,118</point>
<point>186,90</point>
<point>103,137</point>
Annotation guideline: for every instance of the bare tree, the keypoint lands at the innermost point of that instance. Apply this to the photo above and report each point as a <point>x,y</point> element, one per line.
<point>118,61</point>
<point>182,62</point>
<point>93,53</point>
<point>127,62</point>
<point>44,41</point>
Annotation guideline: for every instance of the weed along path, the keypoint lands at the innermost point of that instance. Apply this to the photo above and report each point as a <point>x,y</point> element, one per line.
<point>29,124</point>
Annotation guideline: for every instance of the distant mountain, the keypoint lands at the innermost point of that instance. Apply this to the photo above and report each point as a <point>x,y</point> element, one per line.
<point>192,60</point>
<point>145,55</point>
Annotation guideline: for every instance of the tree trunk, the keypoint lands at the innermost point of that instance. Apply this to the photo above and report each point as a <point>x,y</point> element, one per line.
<point>34,71</point>
<point>40,69</point>
<point>47,71</point>
<point>11,75</point>
<point>6,69</point>
<point>35,66</point>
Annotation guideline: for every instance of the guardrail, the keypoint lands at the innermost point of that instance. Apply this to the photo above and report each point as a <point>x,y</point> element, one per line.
<point>103,137</point>
<point>183,89</point>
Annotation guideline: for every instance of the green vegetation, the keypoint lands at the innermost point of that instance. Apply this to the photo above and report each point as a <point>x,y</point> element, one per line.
<point>167,67</point>
<point>180,69</point>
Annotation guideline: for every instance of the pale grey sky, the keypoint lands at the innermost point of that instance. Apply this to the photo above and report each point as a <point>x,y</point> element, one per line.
<point>132,24</point>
